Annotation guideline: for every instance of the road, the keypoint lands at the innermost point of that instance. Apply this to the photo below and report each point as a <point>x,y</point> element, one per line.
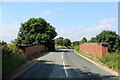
<point>65,63</point>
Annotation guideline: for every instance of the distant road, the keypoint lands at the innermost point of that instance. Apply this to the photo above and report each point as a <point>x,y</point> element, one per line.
<point>64,63</point>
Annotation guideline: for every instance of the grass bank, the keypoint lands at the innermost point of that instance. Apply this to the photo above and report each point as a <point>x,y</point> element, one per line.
<point>12,63</point>
<point>62,47</point>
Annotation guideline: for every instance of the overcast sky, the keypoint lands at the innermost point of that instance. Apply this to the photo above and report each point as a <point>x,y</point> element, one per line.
<point>73,20</point>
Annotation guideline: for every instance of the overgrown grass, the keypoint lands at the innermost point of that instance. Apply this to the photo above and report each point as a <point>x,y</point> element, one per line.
<point>12,63</point>
<point>112,60</point>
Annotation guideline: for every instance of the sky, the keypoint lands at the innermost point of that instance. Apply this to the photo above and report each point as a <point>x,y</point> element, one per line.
<point>73,20</point>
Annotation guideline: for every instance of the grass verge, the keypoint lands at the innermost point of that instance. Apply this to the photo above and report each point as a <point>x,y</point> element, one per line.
<point>62,47</point>
<point>11,64</point>
<point>111,60</point>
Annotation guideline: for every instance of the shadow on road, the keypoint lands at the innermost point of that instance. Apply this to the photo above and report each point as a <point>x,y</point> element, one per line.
<point>43,68</point>
<point>64,50</point>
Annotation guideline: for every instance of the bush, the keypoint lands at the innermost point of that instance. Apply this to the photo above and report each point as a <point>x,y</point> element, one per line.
<point>12,63</point>
<point>111,60</point>
<point>76,48</point>
<point>11,59</point>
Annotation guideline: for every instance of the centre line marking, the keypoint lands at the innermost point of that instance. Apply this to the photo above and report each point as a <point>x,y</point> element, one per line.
<point>65,70</point>
<point>62,56</point>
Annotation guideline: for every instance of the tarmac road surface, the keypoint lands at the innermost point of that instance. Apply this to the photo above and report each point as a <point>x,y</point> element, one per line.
<point>65,63</point>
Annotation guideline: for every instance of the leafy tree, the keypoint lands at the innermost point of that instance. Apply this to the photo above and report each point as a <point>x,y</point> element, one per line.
<point>92,39</point>
<point>59,41</point>
<point>76,43</point>
<point>12,46</point>
<point>66,42</point>
<point>36,31</point>
<point>63,42</point>
<point>109,37</point>
<point>6,52</point>
<point>84,40</point>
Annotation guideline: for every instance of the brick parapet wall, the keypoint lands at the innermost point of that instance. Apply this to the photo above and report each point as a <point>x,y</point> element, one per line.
<point>94,49</point>
<point>33,49</point>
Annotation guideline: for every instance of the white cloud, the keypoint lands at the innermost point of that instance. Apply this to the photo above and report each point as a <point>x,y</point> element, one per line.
<point>77,33</point>
<point>8,32</point>
<point>108,21</point>
<point>46,12</point>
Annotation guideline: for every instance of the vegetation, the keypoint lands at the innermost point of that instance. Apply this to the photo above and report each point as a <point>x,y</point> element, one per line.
<point>62,43</point>
<point>109,37</point>
<point>37,31</point>
<point>11,59</point>
<point>111,60</point>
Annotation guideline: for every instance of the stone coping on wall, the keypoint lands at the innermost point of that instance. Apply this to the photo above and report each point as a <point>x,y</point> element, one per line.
<point>27,45</point>
<point>102,43</point>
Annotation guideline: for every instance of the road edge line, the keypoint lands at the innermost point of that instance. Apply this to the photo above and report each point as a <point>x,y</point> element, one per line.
<point>99,65</point>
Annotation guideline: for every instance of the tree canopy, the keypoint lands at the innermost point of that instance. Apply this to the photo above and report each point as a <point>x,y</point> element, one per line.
<point>36,31</point>
<point>63,42</point>
<point>84,40</point>
<point>109,37</point>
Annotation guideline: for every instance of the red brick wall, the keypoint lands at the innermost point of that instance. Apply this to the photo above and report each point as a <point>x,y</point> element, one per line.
<point>32,49</point>
<point>94,49</point>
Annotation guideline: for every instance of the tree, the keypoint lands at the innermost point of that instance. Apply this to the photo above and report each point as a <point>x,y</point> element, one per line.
<point>63,42</point>
<point>109,37</point>
<point>59,41</point>
<point>84,40</point>
<point>92,39</point>
<point>66,42</point>
<point>36,31</point>
<point>75,43</point>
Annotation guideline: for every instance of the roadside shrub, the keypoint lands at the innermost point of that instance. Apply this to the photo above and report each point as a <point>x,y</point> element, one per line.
<point>11,59</point>
<point>12,63</point>
<point>76,48</point>
<point>111,60</point>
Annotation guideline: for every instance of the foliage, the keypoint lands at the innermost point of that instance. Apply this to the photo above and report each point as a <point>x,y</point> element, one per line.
<point>109,37</point>
<point>60,47</point>
<point>76,48</point>
<point>111,60</point>
<point>10,59</point>
<point>12,63</point>
<point>62,42</point>
<point>74,43</point>
<point>12,46</point>
<point>84,40</point>
<point>59,41</point>
<point>36,31</point>
<point>66,42</point>
<point>92,39</point>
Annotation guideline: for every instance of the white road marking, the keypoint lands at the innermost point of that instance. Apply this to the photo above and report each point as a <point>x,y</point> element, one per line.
<point>100,66</point>
<point>85,58</point>
<point>62,56</point>
<point>65,70</point>
<point>64,66</point>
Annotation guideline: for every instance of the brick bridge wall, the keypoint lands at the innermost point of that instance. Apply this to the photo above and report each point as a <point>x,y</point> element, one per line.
<point>95,49</point>
<point>33,49</point>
